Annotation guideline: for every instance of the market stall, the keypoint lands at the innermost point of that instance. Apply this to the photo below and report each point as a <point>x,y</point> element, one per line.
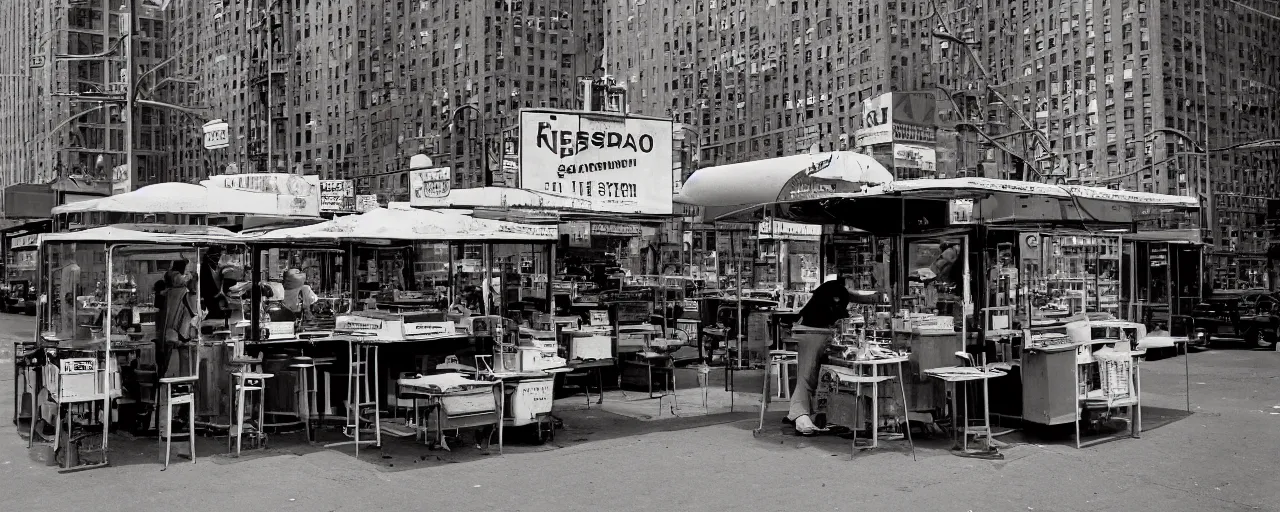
<point>420,285</point>
<point>119,314</point>
<point>984,266</point>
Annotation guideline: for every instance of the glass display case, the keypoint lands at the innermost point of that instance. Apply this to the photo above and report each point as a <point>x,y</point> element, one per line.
<point>1071,274</point>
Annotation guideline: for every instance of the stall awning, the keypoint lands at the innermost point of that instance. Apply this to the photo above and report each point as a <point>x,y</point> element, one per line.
<point>500,197</point>
<point>952,187</point>
<point>410,225</point>
<point>159,234</point>
<point>789,178</point>
<point>186,198</point>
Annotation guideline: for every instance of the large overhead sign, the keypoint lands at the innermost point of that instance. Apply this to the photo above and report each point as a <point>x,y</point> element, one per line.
<point>616,163</point>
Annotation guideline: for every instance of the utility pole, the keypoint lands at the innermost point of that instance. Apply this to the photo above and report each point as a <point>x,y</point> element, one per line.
<point>130,23</point>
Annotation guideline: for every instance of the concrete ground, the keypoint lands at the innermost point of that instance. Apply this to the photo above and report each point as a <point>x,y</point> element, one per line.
<point>1224,457</point>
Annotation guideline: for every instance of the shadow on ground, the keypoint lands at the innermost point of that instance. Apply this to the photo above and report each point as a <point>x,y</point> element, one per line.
<point>579,426</point>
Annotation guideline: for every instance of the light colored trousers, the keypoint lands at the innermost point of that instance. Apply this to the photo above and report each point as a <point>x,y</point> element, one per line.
<point>812,346</point>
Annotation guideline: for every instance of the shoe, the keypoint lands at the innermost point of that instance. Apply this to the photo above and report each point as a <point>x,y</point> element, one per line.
<point>805,426</point>
<point>788,421</point>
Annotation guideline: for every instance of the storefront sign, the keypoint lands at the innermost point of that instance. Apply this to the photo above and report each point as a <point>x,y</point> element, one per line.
<point>337,195</point>
<point>615,163</point>
<point>23,241</point>
<point>961,211</point>
<point>783,230</point>
<point>914,156</point>
<point>548,232</point>
<point>366,202</point>
<point>431,183</point>
<point>217,134</point>
<point>877,121</point>
<point>295,194</point>
<point>610,229</point>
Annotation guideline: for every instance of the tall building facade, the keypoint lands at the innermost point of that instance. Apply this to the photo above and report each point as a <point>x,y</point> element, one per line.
<point>1119,93</point>
<point>231,60</point>
<point>63,86</point>
<point>372,85</point>
<point>1146,96</point>
<point>765,78</point>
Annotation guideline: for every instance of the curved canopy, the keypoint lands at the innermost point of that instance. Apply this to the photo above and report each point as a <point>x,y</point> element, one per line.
<point>411,225</point>
<point>126,234</point>
<point>789,178</point>
<point>186,198</point>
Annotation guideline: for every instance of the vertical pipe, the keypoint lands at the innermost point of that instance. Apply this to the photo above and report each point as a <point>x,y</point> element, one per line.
<point>130,77</point>
<point>106,360</point>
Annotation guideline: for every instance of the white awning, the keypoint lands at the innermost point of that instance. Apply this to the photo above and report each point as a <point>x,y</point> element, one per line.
<point>186,198</point>
<point>410,225</point>
<point>121,234</point>
<point>950,186</point>
<point>788,178</point>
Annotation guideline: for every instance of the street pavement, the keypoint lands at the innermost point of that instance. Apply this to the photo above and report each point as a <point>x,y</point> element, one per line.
<point>1223,457</point>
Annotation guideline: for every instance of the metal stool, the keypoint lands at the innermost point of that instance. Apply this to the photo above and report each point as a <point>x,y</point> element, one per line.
<point>309,391</point>
<point>178,391</point>
<point>246,382</point>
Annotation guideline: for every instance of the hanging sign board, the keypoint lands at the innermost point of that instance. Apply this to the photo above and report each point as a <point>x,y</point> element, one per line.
<point>217,134</point>
<point>961,211</point>
<point>337,195</point>
<point>431,183</point>
<point>615,163</point>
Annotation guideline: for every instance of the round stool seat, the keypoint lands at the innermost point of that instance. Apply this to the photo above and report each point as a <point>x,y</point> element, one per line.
<point>302,362</point>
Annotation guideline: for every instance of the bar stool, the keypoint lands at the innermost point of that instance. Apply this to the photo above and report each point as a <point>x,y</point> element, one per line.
<point>246,382</point>
<point>780,363</point>
<point>309,391</point>
<point>178,391</point>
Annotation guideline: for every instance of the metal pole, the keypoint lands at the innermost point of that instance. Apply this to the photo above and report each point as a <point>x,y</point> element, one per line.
<point>130,93</point>
<point>271,157</point>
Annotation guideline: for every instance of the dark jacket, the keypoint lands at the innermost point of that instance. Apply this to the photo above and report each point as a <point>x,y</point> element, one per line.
<point>828,305</point>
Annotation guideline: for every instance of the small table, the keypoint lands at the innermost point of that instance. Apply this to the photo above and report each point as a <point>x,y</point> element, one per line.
<point>851,374</point>
<point>966,374</point>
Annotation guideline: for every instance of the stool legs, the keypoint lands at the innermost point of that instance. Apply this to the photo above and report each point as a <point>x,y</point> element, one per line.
<point>168,432</point>
<point>239,423</point>
<point>185,397</point>
<point>305,400</point>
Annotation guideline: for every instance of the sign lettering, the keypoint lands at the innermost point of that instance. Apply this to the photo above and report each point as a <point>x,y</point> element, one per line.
<point>613,163</point>
<point>430,183</point>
